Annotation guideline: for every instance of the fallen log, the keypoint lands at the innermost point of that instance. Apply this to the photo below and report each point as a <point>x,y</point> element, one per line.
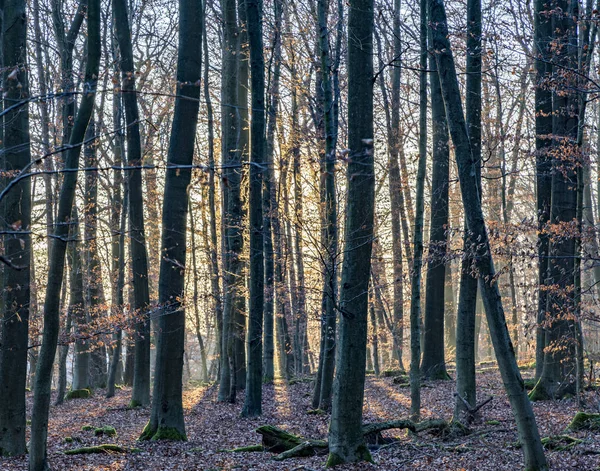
<point>287,445</point>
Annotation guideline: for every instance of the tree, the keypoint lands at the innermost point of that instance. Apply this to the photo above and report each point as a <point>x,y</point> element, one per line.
<point>324,381</point>
<point>511,376</point>
<point>433,364</point>
<point>543,132</point>
<point>232,206</point>
<point>166,417</point>
<point>559,322</point>
<point>415,287</point>
<point>43,376</point>
<point>346,442</point>
<point>141,377</point>
<point>270,201</point>
<point>16,216</point>
<point>253,399</point>
<point>467,298</point>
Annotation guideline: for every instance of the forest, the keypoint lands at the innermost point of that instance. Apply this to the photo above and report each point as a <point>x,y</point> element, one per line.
<point>299,235</point>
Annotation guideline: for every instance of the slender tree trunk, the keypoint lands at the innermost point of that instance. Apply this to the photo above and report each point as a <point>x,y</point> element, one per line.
<point>415,295</point>
<point>201,344</point>
<point>166,418</point>
<point>324,383</point>
<point>466,332</point>
<point>139,257</point>
<point>232,210</point>
<point>43,379</point>
<point>214,250</point>
<point>433,364</point>
<point>269,200</point>
<point>513,383</point>
<point>374,333</point>
<point>543,135</point>
<point>346,441</point>
<point>118,300</point>
<point>92,283</point>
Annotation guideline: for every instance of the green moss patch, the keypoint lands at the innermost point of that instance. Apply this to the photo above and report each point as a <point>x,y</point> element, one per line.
<point>584,421</point>
<point>106,448</point>
<point>78,394</point>
<point>106,430</point>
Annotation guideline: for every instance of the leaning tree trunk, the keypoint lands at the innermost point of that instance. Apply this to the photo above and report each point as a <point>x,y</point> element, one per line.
<point>467,298</point>
<point>16,217</point>
<point>166,417</point>
<point>511,376</point>
<point>140,395</point>
<point>346,442</point>
<point>433,364</point>
<point>43,377</point>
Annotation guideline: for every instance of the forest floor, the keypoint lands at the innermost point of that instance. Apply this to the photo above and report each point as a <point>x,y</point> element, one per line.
<point>213,426</point>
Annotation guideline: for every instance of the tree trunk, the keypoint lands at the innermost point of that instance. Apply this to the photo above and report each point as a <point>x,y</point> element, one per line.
<point>118,301</point>
<point>324,383</point>
<point>543,135</point>
<point>559,356</point>
<point>196,299</point>
<point>415,294</point>
<point>16,215</point>
<point>269,200</point>
<point>43,379</point>
<point>346,441</point>
<point>92,283</point>
<point>253,399</point>
<point>215,275</point>
<point>137,238</point>
<point>166,419</point>
<point>513,383</point>
<point>433,364</point>
<point>232,240</point>
<point>466,333</point>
